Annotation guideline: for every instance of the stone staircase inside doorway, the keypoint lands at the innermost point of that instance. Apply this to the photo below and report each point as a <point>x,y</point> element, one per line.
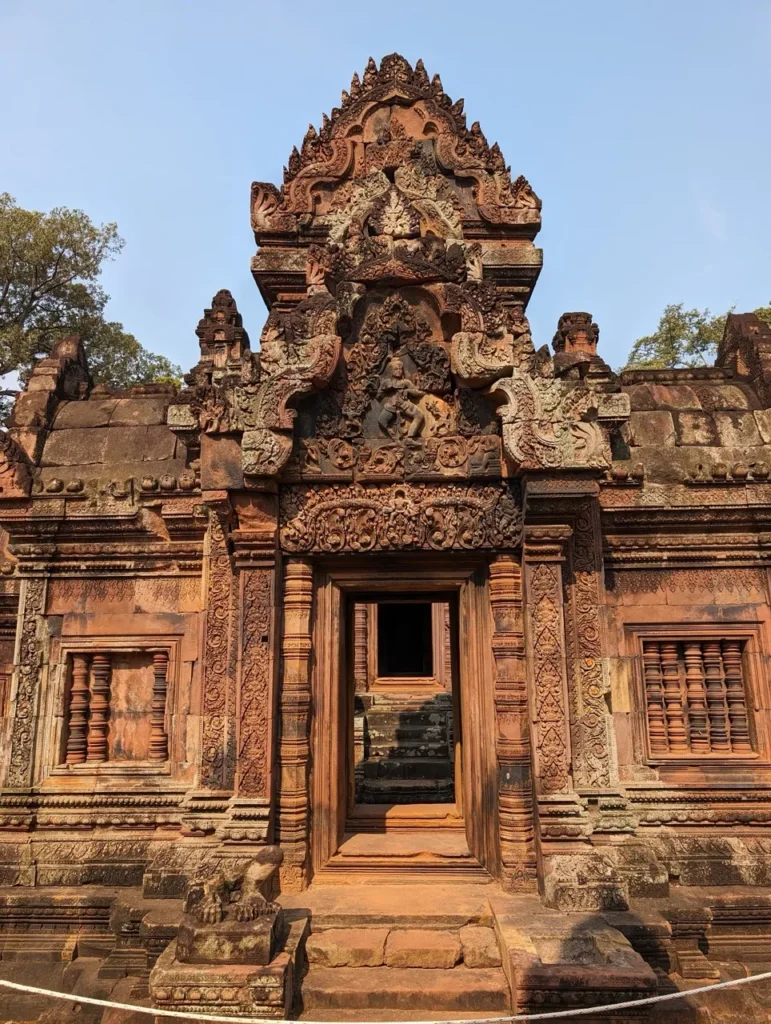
<point>404,749</point>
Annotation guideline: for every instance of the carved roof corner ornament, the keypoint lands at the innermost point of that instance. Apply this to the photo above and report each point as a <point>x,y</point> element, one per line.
<point>15,476</point>
<point>554,424</point>
<point>234,391</point>
<point>221,334</point>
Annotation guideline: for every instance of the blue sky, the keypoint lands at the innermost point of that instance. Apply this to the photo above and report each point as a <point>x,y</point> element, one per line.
<point>643,126</point>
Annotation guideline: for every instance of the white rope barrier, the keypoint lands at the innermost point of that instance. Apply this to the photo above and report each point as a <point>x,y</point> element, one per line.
<point>582,1011</point>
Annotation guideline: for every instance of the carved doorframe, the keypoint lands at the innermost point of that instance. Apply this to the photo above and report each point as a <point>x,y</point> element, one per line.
<point>468,578</point>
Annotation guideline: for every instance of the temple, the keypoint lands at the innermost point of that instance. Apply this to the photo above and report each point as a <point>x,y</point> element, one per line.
<point>399,664</point>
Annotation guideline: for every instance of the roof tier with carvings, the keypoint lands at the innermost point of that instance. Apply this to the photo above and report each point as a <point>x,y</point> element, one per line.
<point>395,184</point>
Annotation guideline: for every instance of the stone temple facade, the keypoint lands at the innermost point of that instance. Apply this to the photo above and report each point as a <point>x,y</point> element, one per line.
<point>398,665</point>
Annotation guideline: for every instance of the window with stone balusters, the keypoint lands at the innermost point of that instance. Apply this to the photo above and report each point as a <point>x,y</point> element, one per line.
<point>116,710</point>
<point>698,695</point>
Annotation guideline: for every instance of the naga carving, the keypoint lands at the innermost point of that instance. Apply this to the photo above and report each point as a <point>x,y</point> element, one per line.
<point>554,424</point>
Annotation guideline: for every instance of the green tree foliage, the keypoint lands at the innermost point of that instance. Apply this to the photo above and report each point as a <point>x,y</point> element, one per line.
<point>49,269</point>
<point>684,337</point>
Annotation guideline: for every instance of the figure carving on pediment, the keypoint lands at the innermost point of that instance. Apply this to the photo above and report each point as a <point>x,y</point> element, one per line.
<point>399,415</point>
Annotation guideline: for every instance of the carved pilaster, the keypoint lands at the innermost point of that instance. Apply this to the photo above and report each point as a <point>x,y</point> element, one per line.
<point>159,741</point>
<point>255,698</point>
<point>249,814</point>
<point>515,793</point>
<point>295,721</point>
<point>218,668</point>
<point>543,556</point>
<point>29,660</point>
<point>593,748</point>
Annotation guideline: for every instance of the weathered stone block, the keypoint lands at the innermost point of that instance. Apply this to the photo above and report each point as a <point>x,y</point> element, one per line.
<point>763,420</point>
<point>229,942</point>
<point>130,412</point>
<point>480,948</point>
<point>347,947</point>
<point>695,428</point>
<point>674,396</point>
<point>220,463</point>
<point>94,413</point>
<point>737,429</point>
<point>75,447</point>
<point>422,948</point>
<point>651,429</point>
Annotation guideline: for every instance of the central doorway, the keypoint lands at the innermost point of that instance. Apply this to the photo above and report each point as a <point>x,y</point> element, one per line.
<point>403,773</point>
<point>404,707</point>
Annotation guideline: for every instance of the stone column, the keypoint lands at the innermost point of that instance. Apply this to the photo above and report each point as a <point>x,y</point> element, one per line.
<point>515,793</point>
<point>31,653</point>
<point>77,739</point>
<point>159,740</point>
<point>96,744</point>
<point>295,723</point>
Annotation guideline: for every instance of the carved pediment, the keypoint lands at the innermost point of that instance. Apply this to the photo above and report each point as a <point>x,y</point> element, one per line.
<point>396,259</point>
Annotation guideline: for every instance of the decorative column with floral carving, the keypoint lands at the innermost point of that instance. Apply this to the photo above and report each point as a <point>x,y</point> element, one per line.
<point>250,812</point>
<point>544,557</point>
<point>31,645</point>
<point>515,794</point>
<point>218,655</point>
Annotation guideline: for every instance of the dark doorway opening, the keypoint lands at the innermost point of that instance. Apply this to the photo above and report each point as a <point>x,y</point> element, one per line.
<point>404,639</point>
<point>404,742</point>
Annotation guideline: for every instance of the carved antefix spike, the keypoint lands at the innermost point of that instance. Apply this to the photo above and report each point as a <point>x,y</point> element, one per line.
<point>221,334</point>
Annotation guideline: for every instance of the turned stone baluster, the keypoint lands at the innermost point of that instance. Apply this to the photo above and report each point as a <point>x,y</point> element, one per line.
<point>673,697</point>
<point>78,714</point>
<point>697,698</point>
<point>716,705</point>
<point>360,647</point>
<point>735,696</point>
<point>100,708</point>
<point>654,695</point>
<point>159,741</point>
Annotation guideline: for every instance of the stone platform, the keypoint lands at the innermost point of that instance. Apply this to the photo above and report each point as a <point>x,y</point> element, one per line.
<point>407,950</point>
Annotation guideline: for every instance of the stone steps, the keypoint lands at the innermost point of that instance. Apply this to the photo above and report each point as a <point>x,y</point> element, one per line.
<point>393,767</point>
<point>382,955</point>
<point>405,791</point>
<point>405,989</point>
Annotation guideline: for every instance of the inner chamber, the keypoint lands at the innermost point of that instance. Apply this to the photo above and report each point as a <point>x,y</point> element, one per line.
<point>405,714</point>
